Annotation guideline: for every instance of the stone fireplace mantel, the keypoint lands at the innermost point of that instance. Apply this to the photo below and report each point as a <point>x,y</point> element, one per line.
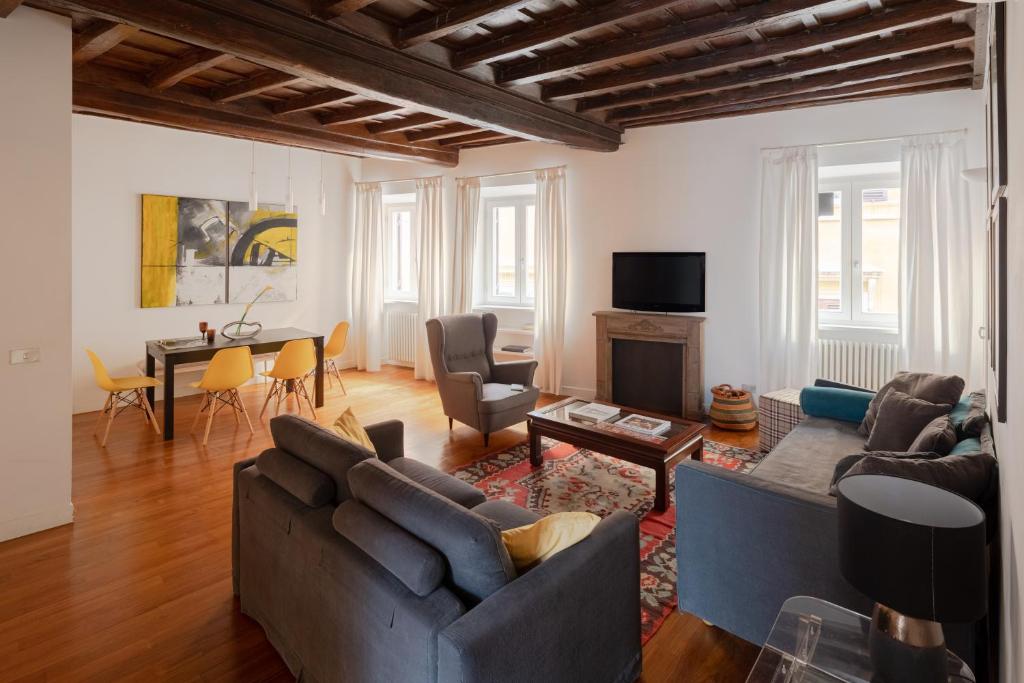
<point>684,331</point>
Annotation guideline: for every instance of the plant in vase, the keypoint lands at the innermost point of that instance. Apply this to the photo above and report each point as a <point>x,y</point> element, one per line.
<point>237,326</point>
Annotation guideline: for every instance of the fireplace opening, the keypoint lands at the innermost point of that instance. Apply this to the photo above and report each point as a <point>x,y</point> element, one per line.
<point>648,375</point>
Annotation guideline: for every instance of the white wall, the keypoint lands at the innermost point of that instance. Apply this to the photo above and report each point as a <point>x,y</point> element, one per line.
<point>115,162</point>
<point>35,281</point>
<point>1010,436</point>
<point>691,187</point>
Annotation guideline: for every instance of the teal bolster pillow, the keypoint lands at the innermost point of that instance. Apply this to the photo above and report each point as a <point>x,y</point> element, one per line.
<point>838,404</point>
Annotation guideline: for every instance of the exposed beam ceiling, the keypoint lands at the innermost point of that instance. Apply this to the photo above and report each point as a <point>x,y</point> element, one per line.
<point>192,62</point>
<point>451,130</point>
<point>321,98</point>
<point>451,20</point>
<point>260,83</point>
<point>360,112</point>
<point>334,7</point>
<point>99,37</point>
<point>8,6</point>
<point>482,136</point>
<point>887,20</point>
<point>396,125</point>
<point>293,43</point>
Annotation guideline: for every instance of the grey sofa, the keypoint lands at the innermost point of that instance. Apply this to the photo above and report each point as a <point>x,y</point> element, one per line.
<point>381,568</point>
<point>747,542</point>
<point>474,389</point>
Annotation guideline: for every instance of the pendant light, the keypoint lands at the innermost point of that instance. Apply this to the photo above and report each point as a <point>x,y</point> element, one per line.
<point>253,198</point>
<point>289,204</point>
<point>323,188</point>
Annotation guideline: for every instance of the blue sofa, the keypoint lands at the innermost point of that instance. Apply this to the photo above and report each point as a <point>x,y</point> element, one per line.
<point>747,542</point>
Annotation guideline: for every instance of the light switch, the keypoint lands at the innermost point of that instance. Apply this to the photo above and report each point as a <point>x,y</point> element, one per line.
<point>19,356</point>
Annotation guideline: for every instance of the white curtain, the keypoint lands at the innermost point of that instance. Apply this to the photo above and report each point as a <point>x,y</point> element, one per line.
<point>467,217</point>
<point>550,228</point>
<point>429,230</point>
<point>788,300</point>
<point>936,279</point>
<point>368,276</point>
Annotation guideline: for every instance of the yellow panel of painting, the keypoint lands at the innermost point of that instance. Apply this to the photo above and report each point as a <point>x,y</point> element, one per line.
<point>283,240</point>
<point>159,250</point>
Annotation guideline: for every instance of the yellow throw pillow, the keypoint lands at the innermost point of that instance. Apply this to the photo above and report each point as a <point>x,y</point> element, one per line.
<point>534,543</point>
<point>348,428</point>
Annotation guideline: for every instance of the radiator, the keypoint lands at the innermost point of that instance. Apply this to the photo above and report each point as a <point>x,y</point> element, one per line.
<point>862,364</point>
<point>400,338</point>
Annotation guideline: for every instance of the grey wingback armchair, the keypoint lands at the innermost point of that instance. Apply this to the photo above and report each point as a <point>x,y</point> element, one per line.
<point>474,389</point>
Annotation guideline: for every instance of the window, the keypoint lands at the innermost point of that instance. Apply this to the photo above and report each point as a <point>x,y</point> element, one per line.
<point>509,245</point>
<point>399,253</point>
<point>859,251</point>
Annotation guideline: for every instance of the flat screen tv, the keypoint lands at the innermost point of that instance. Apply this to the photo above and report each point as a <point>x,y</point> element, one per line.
<point>664,281</point>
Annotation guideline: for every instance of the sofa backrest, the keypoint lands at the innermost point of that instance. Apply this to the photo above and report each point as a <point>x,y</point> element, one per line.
<point>477,562</point>
<point>303,481</point>
<point>320,448</point>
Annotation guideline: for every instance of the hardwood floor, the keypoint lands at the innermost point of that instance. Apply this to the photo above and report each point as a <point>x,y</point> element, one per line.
<point>139,587</point>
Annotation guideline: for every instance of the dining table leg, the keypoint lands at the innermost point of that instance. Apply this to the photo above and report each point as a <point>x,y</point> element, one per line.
<point>151,372</point>
<point>168,397</point>
<point>318,377</point>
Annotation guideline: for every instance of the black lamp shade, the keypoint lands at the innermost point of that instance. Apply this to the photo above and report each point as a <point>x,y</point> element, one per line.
<point>914,547</point>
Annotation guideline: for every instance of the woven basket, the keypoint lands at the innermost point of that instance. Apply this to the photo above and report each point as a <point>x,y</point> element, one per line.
<point>732,409</point>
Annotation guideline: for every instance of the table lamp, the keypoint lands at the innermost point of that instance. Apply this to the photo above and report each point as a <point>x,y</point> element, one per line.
<point>918,551</point>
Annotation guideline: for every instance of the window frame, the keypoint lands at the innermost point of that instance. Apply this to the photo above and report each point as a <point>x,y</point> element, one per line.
<point>520,202</point>
<point>392,293</point>
<point>851,189</point>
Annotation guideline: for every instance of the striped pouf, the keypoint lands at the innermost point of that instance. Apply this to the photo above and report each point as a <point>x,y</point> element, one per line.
<point>732,408</point>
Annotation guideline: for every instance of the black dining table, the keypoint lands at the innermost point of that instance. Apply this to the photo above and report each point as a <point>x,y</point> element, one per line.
<point>172,352</point>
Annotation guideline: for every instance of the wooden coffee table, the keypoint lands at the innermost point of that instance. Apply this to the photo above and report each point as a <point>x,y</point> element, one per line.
<point>683,439</point>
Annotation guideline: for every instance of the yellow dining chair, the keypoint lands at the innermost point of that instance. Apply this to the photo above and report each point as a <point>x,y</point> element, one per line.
<point>292,365</point>
<point>122,393</point>
<point>228,370</point>
<point>334,348</point>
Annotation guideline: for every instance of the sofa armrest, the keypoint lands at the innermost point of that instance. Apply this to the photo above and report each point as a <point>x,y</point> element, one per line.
<point>574,617</point>
<point>514,372</point>
<point>744,545</point>
<point>467,383</point>
<point>238,467</point>
<point>388,439</point>
<point>847,405</point>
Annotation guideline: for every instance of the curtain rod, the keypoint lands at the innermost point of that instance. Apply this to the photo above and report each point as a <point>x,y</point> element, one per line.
<point>401,180</point>
<point>893,138</point>
<point>507,173</point>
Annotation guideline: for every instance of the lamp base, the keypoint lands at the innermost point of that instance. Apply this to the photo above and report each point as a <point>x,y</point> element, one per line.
<point>906,649</point>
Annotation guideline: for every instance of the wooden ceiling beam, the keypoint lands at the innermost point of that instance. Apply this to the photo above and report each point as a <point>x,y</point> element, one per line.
<point>451,130</point>
<point>8,6</point>
<point>923,63</point>
<point>896,18</point>
<point>97,38</point>
<point>358,113</point>
<point>451,20</point>
<point>673,36</point>
<point>110,92</point>
<point>321,98</point>
<point>397,125</point>
<point>332,8</point>
<point>482,136</point>
<point>763,108</point>
<point>797,93</point>
<point>546,31</point>
<point>192,62</point>
<point>902,44</point>
<point>281,38</point>
<point>254,85</point>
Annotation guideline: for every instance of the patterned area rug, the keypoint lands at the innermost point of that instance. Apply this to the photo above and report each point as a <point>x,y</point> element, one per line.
<point>578,479</point>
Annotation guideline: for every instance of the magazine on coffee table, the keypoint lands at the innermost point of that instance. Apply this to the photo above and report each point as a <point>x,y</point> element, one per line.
<point>593,412</point>
<point>631,433</point>
<point>642,424</point>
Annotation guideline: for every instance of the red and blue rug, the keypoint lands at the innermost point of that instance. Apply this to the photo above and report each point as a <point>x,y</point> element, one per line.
<point>575,479</point>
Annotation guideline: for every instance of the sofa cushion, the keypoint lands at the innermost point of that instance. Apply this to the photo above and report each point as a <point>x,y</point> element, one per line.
<point>531,544</point>
<point>938,436</point>
<point>969,417</point>
<point>308,484</point>
<point>847,462</point>
<point>969,445</point>
<point>923,385</point>
<point>437,481</point>
<point>410,560</point>
<point>968,475</point>
<point>500,397</point>
<point>806,458</point>
<point>900,419</point>
<point>849,405</point>
<point>505,514</point>
<point>478,564</point>
<point>319,447</point>
<point>349,428</point>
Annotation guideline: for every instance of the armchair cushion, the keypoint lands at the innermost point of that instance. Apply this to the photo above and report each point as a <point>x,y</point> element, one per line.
<point>437,481</point>
<point>500,397</point>
<point>319,448</point>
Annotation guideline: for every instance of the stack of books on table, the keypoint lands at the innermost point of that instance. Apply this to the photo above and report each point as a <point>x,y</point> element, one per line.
<point>593,412</point>
<point>648,426</point>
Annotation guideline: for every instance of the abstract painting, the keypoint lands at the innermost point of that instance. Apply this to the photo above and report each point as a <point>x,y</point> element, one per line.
<point>209,251</point>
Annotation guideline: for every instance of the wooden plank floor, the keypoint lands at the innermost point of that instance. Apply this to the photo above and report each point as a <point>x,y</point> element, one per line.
<point>139,587</point>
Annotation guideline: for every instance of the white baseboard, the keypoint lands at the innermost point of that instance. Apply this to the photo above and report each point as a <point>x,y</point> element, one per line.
<point>586,393</point>
<point>37,521</point>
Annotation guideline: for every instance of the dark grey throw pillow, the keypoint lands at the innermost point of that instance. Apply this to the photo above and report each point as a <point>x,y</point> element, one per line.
<point>968,475</point>
<point>847,462</point>
<point>938,436</point>
<point>926,386</point>
<point>900,419</point>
